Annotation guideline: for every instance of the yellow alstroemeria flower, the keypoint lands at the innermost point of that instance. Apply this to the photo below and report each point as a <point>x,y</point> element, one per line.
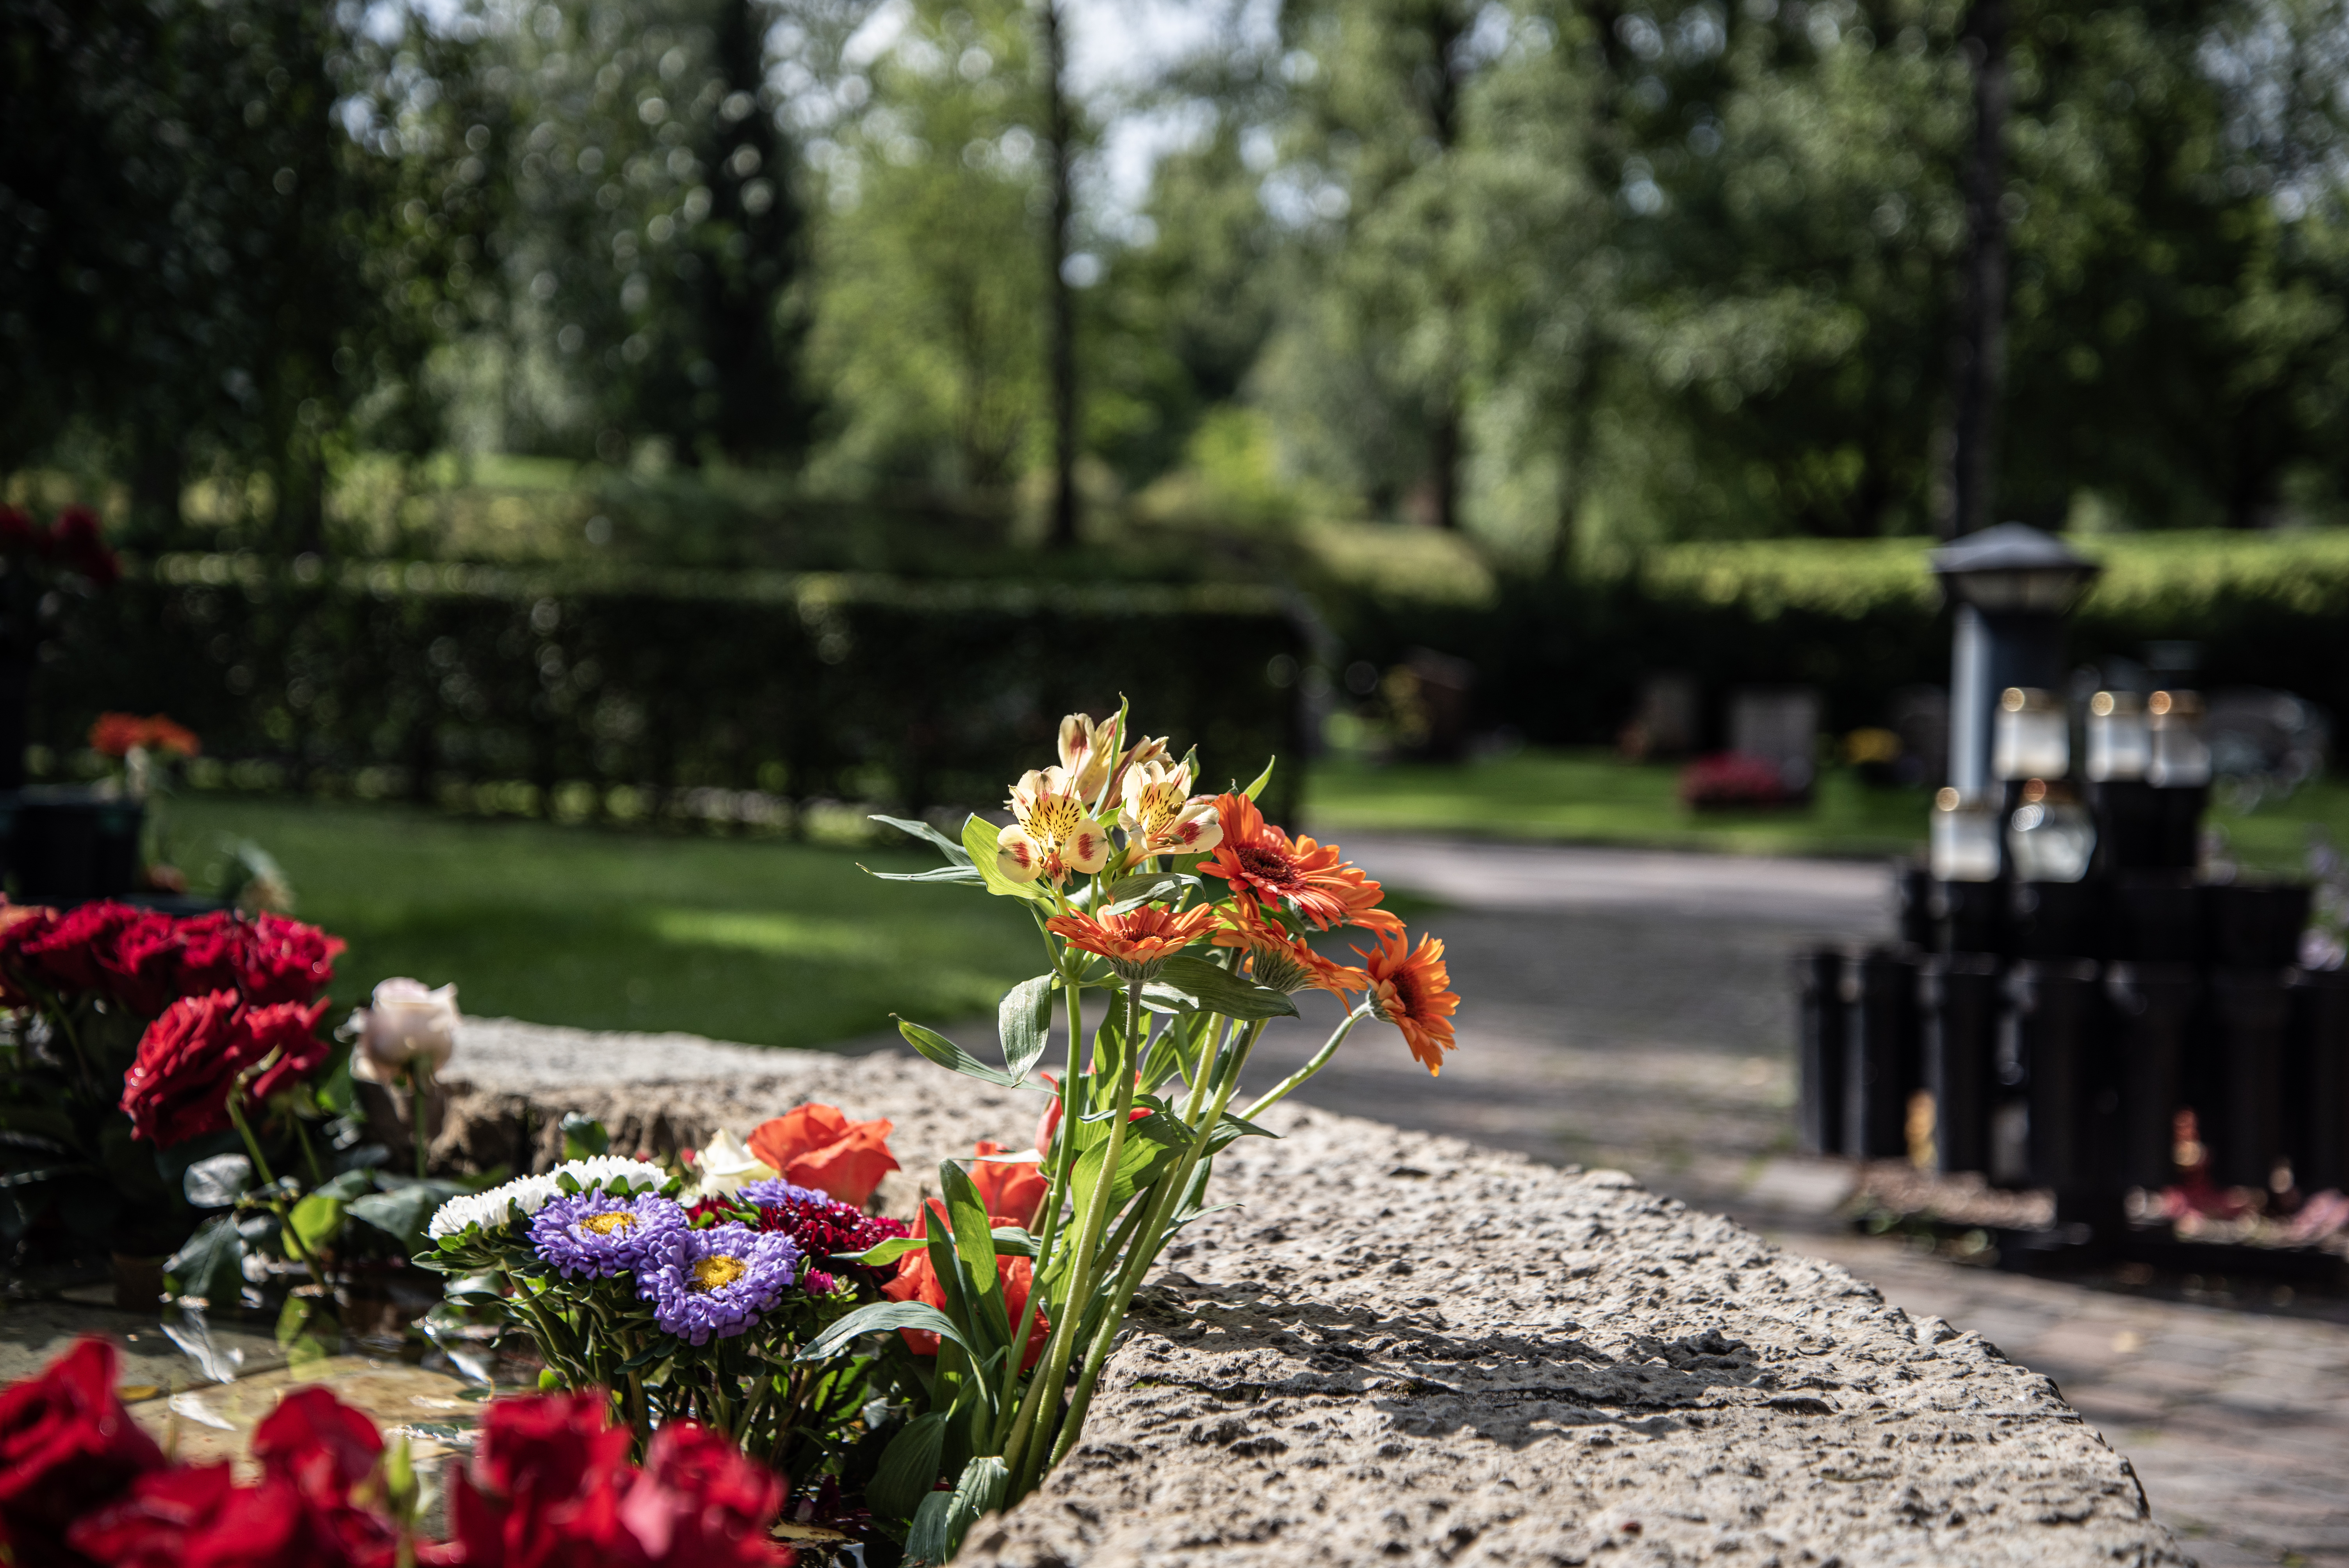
<point>1089,763</point>
<point>1054,833</point>
<point>1162,817</point>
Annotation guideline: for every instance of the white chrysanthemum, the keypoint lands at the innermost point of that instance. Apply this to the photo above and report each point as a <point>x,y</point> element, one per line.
<point>526,1195</point>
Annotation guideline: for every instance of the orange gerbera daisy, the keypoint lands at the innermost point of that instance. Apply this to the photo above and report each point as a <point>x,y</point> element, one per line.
<point>1282,961</point>
<point>1412,989</point>
<point>1137,942</point>
<point>1259,859</point>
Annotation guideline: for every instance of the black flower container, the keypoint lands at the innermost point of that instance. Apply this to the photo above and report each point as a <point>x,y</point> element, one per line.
<point>1969,917</point>
<point>2256,925</point>
<point>2248,1014</point>
<point>2154,1015</point>
<point>1958,1003</point>
<point>68,845</point>
<point>2060,1023</point>
<point>2316,1064</point>
<point>2156,918</point>
<point>1883,1064</point>
<point>1819,1047</point>
<point>2056,920</point>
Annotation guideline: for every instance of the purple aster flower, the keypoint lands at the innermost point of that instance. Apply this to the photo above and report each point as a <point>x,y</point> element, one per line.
<point>597,1234</point>
<point>718,1281</point>
<point>778,1194</point>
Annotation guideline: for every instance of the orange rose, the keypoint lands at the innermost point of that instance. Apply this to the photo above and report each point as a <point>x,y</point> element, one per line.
<point>1016,1191</point>
<point>817,1147</point>
<point>917,1280</point>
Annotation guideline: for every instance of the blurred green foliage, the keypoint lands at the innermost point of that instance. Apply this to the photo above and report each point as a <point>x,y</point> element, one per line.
<point>1571,276</point>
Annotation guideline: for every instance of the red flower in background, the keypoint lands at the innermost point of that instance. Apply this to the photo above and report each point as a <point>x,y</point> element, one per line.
<point>18,533</point>
<point>78,542</point>
<point>65,956</point>
<point>267,957</point>
<point>119,734</point>
<point>1014,1191</point>
<point>179,1086</point>
<point>816,1146</point>
<point>314,1451</point>
<point>1729,779</point>
<point>917,1280</point>
<point>67,1446</point>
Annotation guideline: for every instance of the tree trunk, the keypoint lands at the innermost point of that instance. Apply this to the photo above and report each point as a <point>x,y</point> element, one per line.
<point>1978,368</point>
<point>1063,346</point>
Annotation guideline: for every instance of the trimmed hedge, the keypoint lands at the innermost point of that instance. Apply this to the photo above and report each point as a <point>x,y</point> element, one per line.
<point>423,679</point>
<point>1561,659</point>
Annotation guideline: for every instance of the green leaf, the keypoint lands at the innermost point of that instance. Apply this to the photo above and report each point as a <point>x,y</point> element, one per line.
<point>942,874</point>
<point>38,1122</point>
<point>978,836</point>
<point>883,1252</point>
<point>1202,985</point>
<point>946,1054</point>
<point>1024,1019</point>
<point>1135,1168</point>
<point>974,1247</point>
<point>217,1182</point>
<point>878,1318</point>
<point>584,1137</point>
<point>210,1264</point>
<point>909,1467</point>
<point>1131,893</point>
<point>1231,1128</point>
<point>316,1220</point>
<point>1011,1241</point>
<point>978,1493</point>
<point>926,1543</point>
<point>348,1185</point>
<point>956,854</point>
<point>1263,779</point>
<point>401,1213</point>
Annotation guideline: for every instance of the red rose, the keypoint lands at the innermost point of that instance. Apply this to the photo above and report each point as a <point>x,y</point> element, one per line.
<point>313,1450</point>
<point>18,531</point>
<point>20,924</point>
<point>178,1087</point>
<point>816,1146</point>
<point>140,966</point>
<point>550,1484</point>
<point>699,1502</point>
<point>66,956</point>
<point>269,957</point>
<point>67,1447</point>
<point>78,540</point>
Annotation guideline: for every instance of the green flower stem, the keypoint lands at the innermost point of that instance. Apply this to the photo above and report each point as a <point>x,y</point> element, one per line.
<point>419,1085</point>
<point>1281,1091</point>
<point>1062,1343</point>
<point>1147,1244</point>
<point>1010,1412</point>
<point>252,1146</point>
<point>309,1154</point>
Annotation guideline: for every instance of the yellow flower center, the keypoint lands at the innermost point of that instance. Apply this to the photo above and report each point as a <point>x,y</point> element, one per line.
<point>718,1272</point>
<point>604,1225</point>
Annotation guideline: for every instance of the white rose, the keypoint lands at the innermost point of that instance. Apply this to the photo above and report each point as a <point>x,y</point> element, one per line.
<point>405,1022</point>
<point>725,1163</point>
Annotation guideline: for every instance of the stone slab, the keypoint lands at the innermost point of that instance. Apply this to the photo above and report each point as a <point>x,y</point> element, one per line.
<point>1402,1347</point>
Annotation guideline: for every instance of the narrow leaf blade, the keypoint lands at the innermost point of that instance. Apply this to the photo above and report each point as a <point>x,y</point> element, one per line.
<point>1024,1019</point>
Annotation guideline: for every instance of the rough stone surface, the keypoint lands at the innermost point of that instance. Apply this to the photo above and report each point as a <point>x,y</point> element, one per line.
<point>1397,1347</point>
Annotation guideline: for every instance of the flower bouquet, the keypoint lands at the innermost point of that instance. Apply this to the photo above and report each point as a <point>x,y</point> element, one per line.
<point>939,1372</point>
<point>1189,916</point>
<point>685,1299</point>
<point>162,1076</point>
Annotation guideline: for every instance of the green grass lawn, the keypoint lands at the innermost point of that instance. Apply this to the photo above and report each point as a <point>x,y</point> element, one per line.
<point>1594,797</point>
<point>773,944</point>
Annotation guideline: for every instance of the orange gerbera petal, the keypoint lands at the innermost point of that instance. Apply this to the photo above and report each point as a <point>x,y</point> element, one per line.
<point>1412,989</point>
<point>1139,937</point>
<point>1263,862</point>
<point>1282,961</point>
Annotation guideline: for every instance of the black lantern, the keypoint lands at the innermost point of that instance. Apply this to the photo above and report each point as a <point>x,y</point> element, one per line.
<point>2011,586</point>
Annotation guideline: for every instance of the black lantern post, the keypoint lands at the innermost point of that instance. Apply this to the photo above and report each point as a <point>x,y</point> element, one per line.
<point>2012,586</point>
